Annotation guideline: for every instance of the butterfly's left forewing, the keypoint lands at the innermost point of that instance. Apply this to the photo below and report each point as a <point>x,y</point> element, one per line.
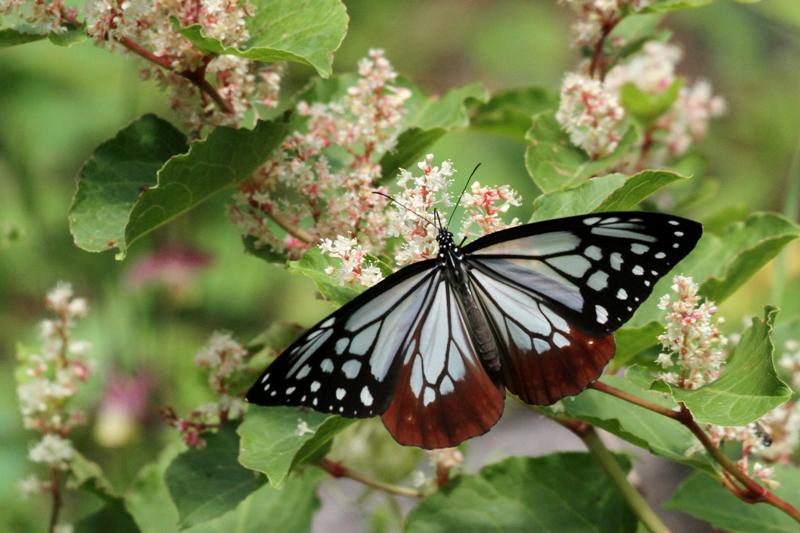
<point>348,363</point>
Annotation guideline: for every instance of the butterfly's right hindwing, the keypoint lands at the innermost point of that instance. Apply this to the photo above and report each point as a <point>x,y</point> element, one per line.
<point>348,363</point>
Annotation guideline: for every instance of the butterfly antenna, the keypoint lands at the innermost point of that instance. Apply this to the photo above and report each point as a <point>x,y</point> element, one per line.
<point>426,219</point>
<point>460,196</point>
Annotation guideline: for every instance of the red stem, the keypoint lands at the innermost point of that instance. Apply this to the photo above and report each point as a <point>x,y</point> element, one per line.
<point>751,491</point>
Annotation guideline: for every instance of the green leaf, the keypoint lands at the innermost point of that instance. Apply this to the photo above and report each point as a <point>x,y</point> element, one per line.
<point>613,192</point>
<point>265,251</point>
<point>559,492</point>
<point>225,157</point>
<point>554,163</point>
<point>509,112</point>
<point>113,516</point>
<point>313,265</point>
<point>275,440</point>
<point>87,475</point>
<point>411,147</point>
<point>207,482</point>
<point>17,36</point>
<point>427,120</point>
<point>722,262</point>
<point>654,432</point>
<point>289,509</point>
<point>112,180</point>
<point>449,111</point>
<point>306,32</point>
<point>749,386</point>
<point>704,498</point>
<point>267,509</point>
<point>14,37</point>
<point>631,341</point>
<point>148,498</point>
<point>647,107</point>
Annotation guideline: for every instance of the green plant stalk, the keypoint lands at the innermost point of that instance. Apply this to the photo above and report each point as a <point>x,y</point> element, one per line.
<point>643,511</point>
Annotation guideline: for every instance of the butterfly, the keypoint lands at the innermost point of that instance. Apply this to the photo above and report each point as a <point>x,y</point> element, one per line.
<point>432,348</point>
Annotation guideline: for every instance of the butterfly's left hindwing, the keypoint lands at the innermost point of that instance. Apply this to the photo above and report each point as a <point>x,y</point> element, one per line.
<point>347,364</point>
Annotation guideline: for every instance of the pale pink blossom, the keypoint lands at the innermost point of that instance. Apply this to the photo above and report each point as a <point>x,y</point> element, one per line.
<point>693,349</point>
<point>590,114</point>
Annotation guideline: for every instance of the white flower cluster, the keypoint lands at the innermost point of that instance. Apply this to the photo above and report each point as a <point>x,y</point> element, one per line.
<point>353,268</point>
<point>48,380</point>
<point>653,70</point>
<point>693,347</point>
<point>594,16</point>
<point>226,360</point>
<point>409,221</point>
<point>325,176</point>
<point>419,195</point>
<point>591,115</point>
<point>40,16</point>
<point>147,24</point>
<point>53,375</point>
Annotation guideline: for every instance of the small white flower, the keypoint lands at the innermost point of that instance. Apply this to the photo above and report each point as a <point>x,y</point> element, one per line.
<point>302,428</point>
<point>52,450</point>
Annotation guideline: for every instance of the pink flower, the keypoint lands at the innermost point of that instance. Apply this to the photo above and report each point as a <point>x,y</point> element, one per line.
<point>590,114</point>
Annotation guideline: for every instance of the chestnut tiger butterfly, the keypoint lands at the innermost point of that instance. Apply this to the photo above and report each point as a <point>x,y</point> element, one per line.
<point>432,348</point>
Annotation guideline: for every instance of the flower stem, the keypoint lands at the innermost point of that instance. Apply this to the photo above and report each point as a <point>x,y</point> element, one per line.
<point>55,491</point>
<point>337,469</point>
<point>597,67</point>
<point>750,491</point>
<point>298,233</point>
<point>588,434</point>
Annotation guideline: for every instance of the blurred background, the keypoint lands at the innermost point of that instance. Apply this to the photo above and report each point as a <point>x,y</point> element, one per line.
<point>152,312</point>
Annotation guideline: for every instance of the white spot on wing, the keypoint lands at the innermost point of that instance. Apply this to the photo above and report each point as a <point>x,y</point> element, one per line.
<point>660,255</point>
<point>446,387</point>
<point>639,248</point>
<point>591,220</point>
<point>616,261</point>
<point>366,397</point>
<point>560,340</point>
<point>594,252</point>
<point>602,314</point>
<point>622,294</point>
<point>340,392</point>
<point>328,323</point>
<point>598,280</point>
<point>638,270</point>
<point>326,365</point>
<point>429,396</point>
<point>351,368</point>
<point>315,385</point>
<point>541,346</point>
<point>266,376</point>
<point>304,371</point>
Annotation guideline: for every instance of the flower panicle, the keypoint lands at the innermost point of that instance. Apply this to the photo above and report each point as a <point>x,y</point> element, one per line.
<point>693,348</point>
<point>48,381</point>
<point>225,360</point>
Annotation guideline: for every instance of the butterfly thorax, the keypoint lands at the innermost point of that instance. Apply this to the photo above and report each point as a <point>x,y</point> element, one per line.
<point>456,272</point>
